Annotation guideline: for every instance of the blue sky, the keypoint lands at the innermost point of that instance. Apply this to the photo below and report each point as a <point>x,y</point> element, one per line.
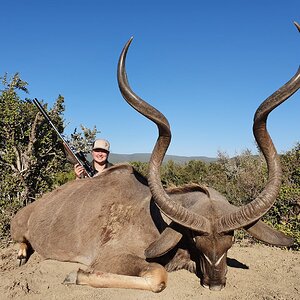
<point>206,65</point>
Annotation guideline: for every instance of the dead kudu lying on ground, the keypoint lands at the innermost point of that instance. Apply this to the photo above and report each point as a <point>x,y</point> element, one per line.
<point>129,231</point>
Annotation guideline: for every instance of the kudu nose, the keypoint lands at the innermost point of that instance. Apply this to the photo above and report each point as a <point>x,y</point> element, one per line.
<point>216,287</point>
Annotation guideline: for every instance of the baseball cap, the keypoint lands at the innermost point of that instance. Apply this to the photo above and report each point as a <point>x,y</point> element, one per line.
<point>101,144</point>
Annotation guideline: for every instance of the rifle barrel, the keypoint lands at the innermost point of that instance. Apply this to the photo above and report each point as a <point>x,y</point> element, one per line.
<point>41,109</point>
<point>89,170</point>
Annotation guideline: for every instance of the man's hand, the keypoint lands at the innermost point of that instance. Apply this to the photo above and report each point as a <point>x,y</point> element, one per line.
<point>79,171</point>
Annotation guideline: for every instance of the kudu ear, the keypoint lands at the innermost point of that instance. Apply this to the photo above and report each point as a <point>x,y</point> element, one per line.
<point>168,239</point>
<point>267,234</point>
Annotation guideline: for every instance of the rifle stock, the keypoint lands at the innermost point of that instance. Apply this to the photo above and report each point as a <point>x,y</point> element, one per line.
<point>74,158</point>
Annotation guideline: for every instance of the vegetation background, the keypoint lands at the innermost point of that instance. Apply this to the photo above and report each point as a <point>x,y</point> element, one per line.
<point>32,162</point>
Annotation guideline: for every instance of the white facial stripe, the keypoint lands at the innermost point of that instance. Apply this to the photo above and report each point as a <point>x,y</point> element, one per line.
<point>219,260</point>
<point>207,259</point>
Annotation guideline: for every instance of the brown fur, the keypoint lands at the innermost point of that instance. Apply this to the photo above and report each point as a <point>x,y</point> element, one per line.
<point>108,221</point>
<point>105,222</point>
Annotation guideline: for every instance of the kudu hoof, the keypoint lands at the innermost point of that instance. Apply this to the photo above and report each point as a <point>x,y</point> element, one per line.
<point>22,260</point>
<point>71,278</point>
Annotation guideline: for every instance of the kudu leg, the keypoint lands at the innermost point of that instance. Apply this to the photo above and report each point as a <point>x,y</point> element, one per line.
<point>19,232</point>
<point>150,277</point>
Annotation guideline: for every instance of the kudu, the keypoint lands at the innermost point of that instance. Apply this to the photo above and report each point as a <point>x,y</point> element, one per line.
<point>130,231</point>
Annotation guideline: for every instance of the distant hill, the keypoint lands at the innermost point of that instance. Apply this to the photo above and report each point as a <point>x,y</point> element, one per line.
<point>144,157</point>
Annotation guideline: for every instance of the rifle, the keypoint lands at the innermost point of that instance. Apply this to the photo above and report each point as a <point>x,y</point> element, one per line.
<point>75,158</point>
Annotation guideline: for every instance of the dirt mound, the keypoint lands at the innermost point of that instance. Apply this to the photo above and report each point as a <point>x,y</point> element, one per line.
<point>255,272</point>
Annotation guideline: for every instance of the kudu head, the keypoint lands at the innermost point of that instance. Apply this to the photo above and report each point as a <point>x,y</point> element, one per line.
<point>211,223</point>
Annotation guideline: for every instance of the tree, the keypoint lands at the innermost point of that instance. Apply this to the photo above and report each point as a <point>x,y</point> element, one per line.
<point>83,140</point>
<point>30,152</point>
<point>244,177</point>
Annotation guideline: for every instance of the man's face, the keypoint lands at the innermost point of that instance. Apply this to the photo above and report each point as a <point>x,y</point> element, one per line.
<point>100,155</point>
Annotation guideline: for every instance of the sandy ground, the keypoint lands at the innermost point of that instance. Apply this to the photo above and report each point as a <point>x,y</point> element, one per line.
<point>255,272</point>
